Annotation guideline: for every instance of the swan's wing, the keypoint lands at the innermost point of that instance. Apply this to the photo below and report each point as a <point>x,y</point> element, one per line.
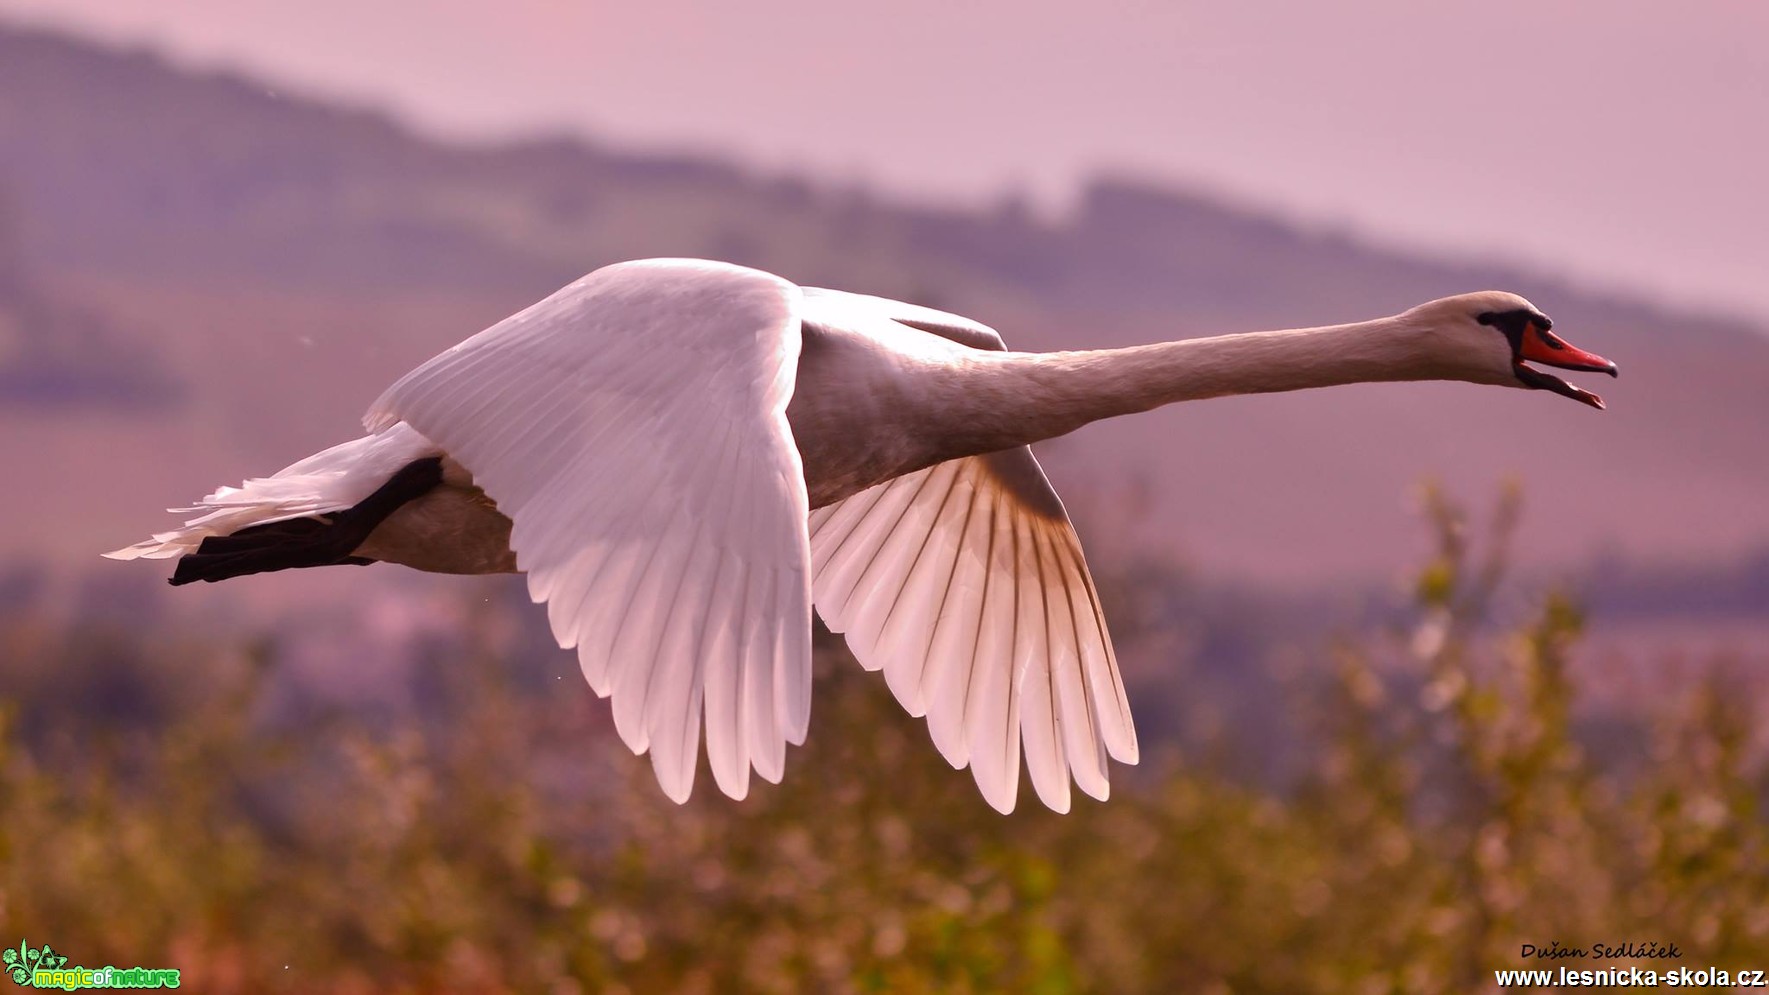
<point>965,583</point>
<point>633,426</point>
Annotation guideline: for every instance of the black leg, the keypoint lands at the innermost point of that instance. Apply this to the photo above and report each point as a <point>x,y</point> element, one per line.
<point>324,540</point>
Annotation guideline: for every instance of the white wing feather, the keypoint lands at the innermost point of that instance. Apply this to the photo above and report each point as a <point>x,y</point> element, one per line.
<point>633,427</point>
<point>965,583</point>
<point>967,587</point>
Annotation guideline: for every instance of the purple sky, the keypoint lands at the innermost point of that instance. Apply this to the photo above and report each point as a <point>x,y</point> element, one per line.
<point>1625,143</point>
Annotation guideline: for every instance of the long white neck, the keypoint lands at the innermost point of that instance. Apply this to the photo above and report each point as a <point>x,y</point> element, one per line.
<point>1013,399</point>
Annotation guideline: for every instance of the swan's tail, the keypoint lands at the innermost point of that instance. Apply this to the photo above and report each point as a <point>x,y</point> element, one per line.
<point>301,516</point>
<point>328,540</point>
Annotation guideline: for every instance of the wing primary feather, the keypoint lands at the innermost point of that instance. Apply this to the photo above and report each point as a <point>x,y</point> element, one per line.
<point>953,648</point>
<point>727,746</point>
<point>946,592</point>
<point>903,493</point>
<point>626,711</point>
<point>1046,750</point>
<point>1119,734</point>
<point>672,689</point>
<point>990,715</point>
<point>939,471</point>
<point>595,637</point>
<point>792,665</point>
<point>660,612</point>
<point>574,589</point>
<point>970,672</point>
<point>541,583</point>
<point>581,573</point>
<point>818,519</point>
<point>885,551</point>
<point>1086,752</point>
<point>1024,645</point>
<point>871,497</point>
<point>767,744</point>
<point>829,521</point>
<point>905,678</point>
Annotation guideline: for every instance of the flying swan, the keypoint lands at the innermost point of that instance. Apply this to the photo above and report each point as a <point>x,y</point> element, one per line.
<point>686,456</point>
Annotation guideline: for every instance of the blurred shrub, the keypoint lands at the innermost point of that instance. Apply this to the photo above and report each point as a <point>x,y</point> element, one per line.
<point>500,838</point>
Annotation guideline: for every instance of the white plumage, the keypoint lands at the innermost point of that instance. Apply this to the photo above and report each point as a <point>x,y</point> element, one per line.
<point>639,442</point>
<point>685,456</point>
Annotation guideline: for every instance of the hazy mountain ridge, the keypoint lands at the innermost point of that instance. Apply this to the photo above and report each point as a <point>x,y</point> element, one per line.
<point>56,354</point>
<point>288,258</point>
<point>227,175</point>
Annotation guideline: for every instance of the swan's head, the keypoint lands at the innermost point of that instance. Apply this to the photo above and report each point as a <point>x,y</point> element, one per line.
<point>1493,336</point>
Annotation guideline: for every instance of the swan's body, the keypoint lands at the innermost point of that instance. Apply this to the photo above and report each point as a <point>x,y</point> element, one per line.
<point>684,456</point>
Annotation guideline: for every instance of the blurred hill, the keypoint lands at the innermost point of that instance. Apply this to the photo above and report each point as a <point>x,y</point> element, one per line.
<point>54,355</point>
<point>281,260</point>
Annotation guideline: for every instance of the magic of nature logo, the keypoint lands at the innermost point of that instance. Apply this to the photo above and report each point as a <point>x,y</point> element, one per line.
<point>33,967</point>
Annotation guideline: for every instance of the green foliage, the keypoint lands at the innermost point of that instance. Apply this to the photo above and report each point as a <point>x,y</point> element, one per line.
<point>504,841</point>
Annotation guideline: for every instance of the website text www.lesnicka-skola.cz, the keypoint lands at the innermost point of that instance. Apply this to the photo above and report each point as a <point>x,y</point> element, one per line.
<point>1629,977</point>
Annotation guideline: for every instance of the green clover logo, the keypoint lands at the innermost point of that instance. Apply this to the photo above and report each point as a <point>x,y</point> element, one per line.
<point>20,963</point>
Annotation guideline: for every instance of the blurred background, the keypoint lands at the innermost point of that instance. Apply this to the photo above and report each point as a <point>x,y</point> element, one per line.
<point>1423,672</point>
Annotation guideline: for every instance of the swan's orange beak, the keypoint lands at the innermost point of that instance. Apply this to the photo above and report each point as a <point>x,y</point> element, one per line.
<point>1538,345</point>
<point>1542,346</point>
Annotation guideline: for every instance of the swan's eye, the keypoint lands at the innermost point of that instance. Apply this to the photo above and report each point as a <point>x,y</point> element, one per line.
<point>1514,323</point>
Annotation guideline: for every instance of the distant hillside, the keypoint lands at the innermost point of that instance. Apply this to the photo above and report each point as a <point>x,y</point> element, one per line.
<point>286,258</point>
<point>56,355</point>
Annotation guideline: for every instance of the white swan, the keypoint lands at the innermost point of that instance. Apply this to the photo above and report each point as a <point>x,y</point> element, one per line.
<point>685,456</point>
